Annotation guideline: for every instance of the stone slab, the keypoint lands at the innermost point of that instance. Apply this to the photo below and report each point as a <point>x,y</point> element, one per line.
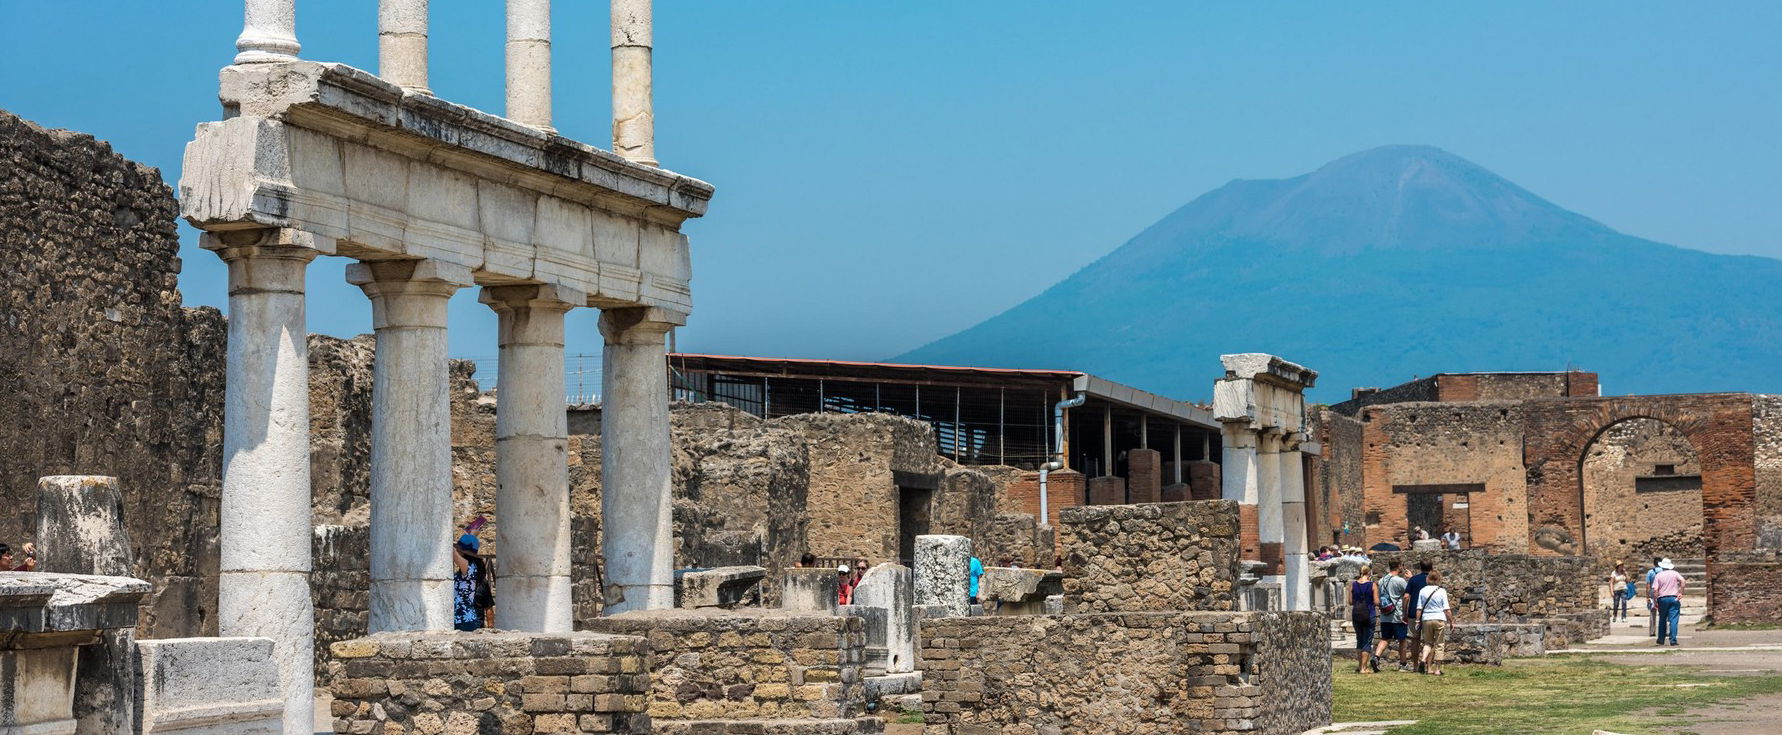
<point>209,686</point>
<point>724,587</point>
<point>943,567</point>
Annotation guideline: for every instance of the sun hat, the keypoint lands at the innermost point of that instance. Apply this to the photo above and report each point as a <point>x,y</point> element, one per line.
<point>468,542</point>
<point>843,569</point>
<point>1666,564</point>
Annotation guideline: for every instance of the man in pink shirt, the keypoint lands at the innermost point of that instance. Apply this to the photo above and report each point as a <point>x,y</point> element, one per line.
<point>1666,592</point>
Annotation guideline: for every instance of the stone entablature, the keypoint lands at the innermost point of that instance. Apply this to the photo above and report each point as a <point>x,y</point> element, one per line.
<point>391,173</point>
<point>486,682</point>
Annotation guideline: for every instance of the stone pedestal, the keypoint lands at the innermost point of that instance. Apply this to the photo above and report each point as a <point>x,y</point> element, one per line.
<point>531,458</point>
<point>49,625</point>
<point>209,685</point>
<point>264,539</point>
<point>891,588</point>
<point>411,443</point>
<point>80,530</point>
<point>634,469</point>
<point>943,572</point>
<point>810,590</point>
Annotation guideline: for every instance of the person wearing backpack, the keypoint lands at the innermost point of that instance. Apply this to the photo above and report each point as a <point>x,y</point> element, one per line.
<point>471,594</point>
<point>1432,617</point>
<point>1363,614</point>
<point>1392,616</point>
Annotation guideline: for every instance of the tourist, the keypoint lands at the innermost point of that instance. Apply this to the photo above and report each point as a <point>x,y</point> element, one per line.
<point>845,589</point>
<point>1666,592</point>
<point>1651,609</point>
<point>1451,540</point>
<point>860,568</point>
<point>806,561</point>
<point>471,595</point>
<point>977,570</point>
<point>1620,588</point>
<point>1414,587</point>
<point>1420,534</point>
<point>28,565</point>
<point>1363,616</point>
<point>1392,616</point>
<point>1432,624</point>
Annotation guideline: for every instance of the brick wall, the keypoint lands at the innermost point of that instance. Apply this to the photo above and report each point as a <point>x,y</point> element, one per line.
<point>1767,436</point>
<point>490,682</point>
<point>1746,588</point>
<point>1107,490</point>
<point>1114,674</point>
<point>1066,490</point>
<point>749,664</point>
<point>1439,444</point>
<point>1145,476</point>
<point>1624,523</point>
<point>1157,556</point>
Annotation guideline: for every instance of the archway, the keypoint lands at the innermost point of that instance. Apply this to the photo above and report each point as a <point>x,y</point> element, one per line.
<point>1640,492</point>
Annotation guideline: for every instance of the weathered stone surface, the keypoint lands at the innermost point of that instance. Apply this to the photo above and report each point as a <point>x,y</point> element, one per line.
<point>490,682</point>
<point>208,686</point>
<point>80,530</point>
<point>1157,556</point>
<point>942,574</point>
<point>811,590</point>
<point>724,587</point>
<point>891,588</point>
<point>1491,643</point>
<point>1153,672</point>
<point>748,664</point>
<point>1514,588</point>
<point>45,686</point>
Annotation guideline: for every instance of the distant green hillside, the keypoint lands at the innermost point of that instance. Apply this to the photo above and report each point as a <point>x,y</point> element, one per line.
<point>1391,263</point>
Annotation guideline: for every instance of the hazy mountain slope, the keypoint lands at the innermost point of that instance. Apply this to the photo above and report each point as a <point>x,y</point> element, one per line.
<point>1390,263</point>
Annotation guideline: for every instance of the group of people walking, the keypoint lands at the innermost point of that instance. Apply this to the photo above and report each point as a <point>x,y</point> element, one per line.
<point>1409,611</point>
<point>1664,597</point>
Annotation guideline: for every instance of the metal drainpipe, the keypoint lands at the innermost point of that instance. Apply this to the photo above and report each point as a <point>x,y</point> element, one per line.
<point>1057,462</point>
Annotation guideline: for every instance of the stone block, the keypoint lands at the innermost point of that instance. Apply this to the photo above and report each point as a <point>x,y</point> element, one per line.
<point>1145,473</point>
<point>1107,490</point>
<point>891,587</point>
<point>810,590</point>
<point>942,574</point>
<point>209,685</point>
<point>724,587</point>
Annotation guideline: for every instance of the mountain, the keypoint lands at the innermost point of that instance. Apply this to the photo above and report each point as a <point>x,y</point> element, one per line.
<point>1385,265</point>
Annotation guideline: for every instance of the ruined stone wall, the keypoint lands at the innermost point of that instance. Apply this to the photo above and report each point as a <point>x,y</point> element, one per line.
<point>489,683</point>
<point>1151,557</point>
<point>853,496</point>
<point>1336,479</point>
<point>101,371</point>
<point>1156,672</point>
<point>749,664</point>
<point>1510,588</point>
<point>1747,587</point>
<point>1512,386</point>
<point>1445,443</point>
<point>1767,427</point>
<point>1421,390</point>
<point>1622,521</point>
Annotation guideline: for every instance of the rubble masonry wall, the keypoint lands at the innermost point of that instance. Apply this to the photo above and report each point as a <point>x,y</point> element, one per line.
<point>1151,557</point>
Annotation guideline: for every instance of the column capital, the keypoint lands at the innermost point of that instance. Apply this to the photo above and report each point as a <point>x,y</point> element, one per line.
<point>408,293</point>
<point>532,296</point>
<point>262,261</point>
<point>639,325</point>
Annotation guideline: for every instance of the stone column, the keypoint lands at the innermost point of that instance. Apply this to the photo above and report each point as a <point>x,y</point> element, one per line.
<point>264,538</point>
<point>1239,475</point>
<point>529,62</point>
<point>268,32</point>
<point>411,442</point>
<point>634,116</point>
<point>80,530</point>
<point>402,43</point>
<point>532,458</point>
<point>635,482</point>
<point>1298,591</point>
<point>943,573</point>
<point>1269,530</point>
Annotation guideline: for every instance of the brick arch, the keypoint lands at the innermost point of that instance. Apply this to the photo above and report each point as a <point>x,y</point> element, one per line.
<point>1718,427</point>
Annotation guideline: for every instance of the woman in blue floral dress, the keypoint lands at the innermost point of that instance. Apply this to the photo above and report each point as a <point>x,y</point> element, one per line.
<point>470,585</point>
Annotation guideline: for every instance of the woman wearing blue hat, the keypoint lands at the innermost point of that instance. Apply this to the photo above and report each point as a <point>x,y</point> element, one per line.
<point>471,595</point>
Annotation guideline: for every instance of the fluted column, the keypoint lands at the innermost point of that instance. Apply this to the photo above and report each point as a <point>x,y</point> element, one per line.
<point>268,32</point>
<point>411,443</point>
<point>264,538</point>
<point>634,116</point>
<point>532,458</point>
<point>529,62</point>
<point>402,43</point>
<point>638,542</point>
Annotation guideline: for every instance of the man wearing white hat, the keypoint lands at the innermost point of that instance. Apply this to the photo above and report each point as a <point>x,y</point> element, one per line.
<point>1666,592</point>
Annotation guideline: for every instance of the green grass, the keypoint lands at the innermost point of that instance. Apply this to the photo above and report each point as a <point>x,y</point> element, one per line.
<point>1537,697</point>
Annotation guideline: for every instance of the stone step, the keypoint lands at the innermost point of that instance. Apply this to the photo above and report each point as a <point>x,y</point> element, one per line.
<point>859,726</point>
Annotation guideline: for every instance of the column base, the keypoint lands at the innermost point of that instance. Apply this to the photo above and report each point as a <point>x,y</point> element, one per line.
<point>535,604</point>
<point>276,605</point>
<point>410,604</point>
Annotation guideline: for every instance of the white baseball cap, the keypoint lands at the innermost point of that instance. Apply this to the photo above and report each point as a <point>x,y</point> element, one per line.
<point>844,569</point>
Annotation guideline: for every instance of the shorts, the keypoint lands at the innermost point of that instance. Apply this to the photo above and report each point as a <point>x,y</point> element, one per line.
<point>1364,633</point>
<point>1394,631</point>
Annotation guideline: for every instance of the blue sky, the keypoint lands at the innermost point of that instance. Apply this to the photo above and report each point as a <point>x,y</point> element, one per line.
<point>891,172</point>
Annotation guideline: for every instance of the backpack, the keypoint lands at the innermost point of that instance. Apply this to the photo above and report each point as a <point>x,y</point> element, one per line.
<point>1388,603</point>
